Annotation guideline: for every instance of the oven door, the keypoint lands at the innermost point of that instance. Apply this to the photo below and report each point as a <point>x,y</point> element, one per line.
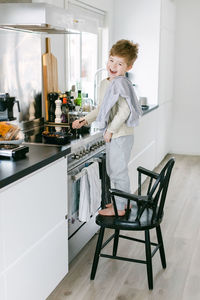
<point>74,179</point>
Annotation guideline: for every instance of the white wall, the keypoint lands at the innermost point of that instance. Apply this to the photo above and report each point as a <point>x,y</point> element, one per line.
<point>140,21</point>
<point>186,120</point>
<point>166,78</point>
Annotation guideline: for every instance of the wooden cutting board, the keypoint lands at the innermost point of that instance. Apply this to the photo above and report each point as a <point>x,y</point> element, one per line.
<point>50,74</point>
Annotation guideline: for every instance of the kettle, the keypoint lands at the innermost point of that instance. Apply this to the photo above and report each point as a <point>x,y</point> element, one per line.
<point>6,107</point>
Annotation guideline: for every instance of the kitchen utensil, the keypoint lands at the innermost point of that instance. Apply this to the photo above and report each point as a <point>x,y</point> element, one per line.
<point>58,138</point>
<point>50,74</point>
<point>13,151</point>
<point>6,107</point>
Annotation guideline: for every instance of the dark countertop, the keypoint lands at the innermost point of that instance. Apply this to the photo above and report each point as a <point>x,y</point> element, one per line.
<point>37,157</point>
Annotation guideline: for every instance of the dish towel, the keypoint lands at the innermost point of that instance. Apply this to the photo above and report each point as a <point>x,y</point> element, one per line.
<point>84,202</point>
<point>119,86</point>
<point>95,187</point>
<point>90,192</point>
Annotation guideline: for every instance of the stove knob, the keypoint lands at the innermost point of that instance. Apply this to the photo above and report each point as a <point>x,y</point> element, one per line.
<point>95,146</point>
<point>82,153</point>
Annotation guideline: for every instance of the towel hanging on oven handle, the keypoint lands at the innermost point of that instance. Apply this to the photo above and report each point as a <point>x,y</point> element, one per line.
<point>83,172</point>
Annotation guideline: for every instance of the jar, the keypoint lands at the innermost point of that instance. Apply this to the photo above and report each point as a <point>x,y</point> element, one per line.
<point>8,131</point>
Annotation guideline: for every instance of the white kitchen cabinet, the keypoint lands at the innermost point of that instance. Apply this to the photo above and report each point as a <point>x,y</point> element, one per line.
<point>35,275</point>
<point>34,233</point>
<point>144,148</point>
<point>2,260</point>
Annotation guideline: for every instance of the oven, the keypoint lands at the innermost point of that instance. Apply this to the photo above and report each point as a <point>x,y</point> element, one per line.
<point>83,154</point>
<point>85,149</point>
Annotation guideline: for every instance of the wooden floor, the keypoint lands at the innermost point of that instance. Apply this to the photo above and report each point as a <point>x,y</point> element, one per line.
<point>125,280</point>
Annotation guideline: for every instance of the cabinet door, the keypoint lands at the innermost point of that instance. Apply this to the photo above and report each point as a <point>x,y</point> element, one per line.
<point>2,258</point>
<point>35,275</point>
<point>32,207</point>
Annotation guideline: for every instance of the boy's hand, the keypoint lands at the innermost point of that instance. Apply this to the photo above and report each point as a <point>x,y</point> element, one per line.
<point>107,136</point>
<point>78,123</point>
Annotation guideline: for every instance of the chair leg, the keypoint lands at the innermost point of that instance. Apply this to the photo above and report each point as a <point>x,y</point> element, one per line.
<point>161,249</point>
<point>97,253</point>
<point>148,259</point>
<point>116,240</point>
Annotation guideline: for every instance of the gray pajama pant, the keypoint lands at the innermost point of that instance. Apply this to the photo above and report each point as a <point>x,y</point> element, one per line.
<point>117,158</point>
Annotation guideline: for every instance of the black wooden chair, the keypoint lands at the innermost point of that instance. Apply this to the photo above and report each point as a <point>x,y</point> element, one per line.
<point>145,214</point>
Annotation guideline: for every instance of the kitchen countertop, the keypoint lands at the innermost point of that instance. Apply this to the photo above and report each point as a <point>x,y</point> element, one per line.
<point>37,157</point>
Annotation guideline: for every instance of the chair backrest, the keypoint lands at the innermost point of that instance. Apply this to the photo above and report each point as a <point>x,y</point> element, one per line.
<point>158,192</point>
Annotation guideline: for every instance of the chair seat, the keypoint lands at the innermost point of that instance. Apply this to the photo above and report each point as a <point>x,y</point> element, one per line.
<point>129,223</point>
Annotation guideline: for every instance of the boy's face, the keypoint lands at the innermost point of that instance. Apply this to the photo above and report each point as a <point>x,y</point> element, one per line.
<point>117,66</point>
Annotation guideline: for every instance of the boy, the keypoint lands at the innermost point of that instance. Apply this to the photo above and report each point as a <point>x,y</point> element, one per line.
<point>117,113</point>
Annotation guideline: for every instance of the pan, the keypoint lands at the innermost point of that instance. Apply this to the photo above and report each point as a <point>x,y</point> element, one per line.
<point>57,138</point>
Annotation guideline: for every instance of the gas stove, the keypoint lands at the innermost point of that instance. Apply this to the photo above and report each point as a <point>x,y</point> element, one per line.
<point>84,145</point>
<point>53,135</point>
<point>13,151</point>
<point>85,148</point>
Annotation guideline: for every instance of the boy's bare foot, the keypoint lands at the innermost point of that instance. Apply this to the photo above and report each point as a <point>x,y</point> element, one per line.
<point>111,205</point>
<point>110,212</point>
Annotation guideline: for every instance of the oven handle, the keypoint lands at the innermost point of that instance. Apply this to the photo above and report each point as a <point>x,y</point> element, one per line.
<point>79,175</point>
<point>84,171</point>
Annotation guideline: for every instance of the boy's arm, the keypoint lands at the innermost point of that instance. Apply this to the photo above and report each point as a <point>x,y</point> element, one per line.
<point>91,116</point>
<point>120,117</point>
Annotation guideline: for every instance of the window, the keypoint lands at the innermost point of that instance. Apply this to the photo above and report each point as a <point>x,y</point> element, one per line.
<point>73,59</point>
<point>89,62</point>
<point>84,55</point>
<point>82,61</point>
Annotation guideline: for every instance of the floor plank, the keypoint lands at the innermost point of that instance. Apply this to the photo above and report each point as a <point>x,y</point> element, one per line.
<point>117,280</point>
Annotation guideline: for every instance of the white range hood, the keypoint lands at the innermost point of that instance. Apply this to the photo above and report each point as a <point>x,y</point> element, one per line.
<point>37,17</point>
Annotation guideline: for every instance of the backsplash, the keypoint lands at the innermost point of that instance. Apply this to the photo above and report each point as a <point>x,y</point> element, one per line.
<point>21,72</point>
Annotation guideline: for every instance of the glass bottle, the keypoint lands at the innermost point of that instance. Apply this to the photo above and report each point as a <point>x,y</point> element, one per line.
<point>79,99</point>
<point>64,115</point>
<point>86,103</point>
